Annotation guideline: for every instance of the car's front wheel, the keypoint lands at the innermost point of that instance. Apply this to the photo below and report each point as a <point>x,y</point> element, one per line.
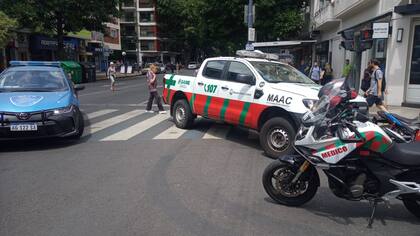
<point>277,136</point>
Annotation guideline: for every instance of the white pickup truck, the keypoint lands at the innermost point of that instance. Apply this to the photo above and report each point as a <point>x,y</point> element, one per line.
<point>248,90</point>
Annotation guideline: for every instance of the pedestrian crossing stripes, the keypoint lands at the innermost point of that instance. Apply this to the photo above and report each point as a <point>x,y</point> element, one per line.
<point>137,128</point>
<point>172,132</point>
<point>107,125</point>
<point>100,113</point>
<point>112,121</point>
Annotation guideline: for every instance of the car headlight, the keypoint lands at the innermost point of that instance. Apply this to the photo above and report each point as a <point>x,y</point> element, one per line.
<point>309,103</point>
<point>63,110</point>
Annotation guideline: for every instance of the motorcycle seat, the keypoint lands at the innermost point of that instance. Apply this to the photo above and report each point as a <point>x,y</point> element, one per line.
<point>407,154</point>
<point>406,120</point>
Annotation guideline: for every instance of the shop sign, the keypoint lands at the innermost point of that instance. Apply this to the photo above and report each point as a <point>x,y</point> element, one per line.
<point>380,30</point>
<point>45,43</point>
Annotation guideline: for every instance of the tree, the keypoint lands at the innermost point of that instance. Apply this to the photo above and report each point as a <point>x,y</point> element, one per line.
<point>279,19</point>
<point>6,26</point>
<point>214,27</point>
<point>59,17</point>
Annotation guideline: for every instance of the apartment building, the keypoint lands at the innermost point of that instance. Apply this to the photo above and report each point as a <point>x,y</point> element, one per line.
<point>140,35</point>
<point>396,44</point>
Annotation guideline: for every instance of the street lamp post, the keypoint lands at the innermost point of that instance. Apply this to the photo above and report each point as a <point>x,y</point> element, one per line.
<point>124,62</point>
<point>250,24</point>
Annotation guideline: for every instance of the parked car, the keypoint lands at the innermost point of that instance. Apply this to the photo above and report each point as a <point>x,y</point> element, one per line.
<point>250,90</point>
<point>192,65</point>
<point>38,100</point>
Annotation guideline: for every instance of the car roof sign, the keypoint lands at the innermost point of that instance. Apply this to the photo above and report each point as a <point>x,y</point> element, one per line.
<point>35,63</point>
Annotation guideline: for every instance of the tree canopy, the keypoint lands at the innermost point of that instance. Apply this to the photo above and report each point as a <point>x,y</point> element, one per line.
<point>58,17</point>
<point>214,27</point>
<point>6,26</point>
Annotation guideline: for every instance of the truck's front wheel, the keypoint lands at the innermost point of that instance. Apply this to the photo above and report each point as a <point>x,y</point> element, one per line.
<point>276,137</point>
<point>182,114</point>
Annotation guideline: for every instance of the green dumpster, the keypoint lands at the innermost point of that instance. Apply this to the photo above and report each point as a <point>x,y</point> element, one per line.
<point>74,69</point>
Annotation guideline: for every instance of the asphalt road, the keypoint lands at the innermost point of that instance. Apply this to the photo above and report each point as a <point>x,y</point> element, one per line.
<point>134,174</point>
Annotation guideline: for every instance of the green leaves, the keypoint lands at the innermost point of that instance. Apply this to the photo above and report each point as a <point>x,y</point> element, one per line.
<point>214,27</point>
<point>6,26</point>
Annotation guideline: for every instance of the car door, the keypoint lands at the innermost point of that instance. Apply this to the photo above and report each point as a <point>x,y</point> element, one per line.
<point>237,90</point>
<point>206,100</point>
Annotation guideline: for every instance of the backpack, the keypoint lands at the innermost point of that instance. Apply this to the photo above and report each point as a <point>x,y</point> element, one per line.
<point>383,81</point>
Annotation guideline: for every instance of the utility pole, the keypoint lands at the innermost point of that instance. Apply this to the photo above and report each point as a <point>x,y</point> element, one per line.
<point>251,30</point>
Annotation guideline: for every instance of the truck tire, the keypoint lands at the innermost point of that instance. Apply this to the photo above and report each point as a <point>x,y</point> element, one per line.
<point>277,136</point>
<point>182,115</point>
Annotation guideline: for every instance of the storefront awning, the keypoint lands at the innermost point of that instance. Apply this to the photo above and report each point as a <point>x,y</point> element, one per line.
<point>408,9</point>
<point>366,22</point>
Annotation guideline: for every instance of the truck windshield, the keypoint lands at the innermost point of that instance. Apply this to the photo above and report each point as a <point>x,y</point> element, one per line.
<point>277,73</point>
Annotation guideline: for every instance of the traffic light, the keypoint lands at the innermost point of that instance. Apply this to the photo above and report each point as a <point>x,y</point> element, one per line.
<point>348,45</point>
<point>366,41</point>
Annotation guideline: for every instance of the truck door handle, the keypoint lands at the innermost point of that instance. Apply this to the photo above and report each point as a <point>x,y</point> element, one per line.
<point>225,88</point>
<point>200,83</point>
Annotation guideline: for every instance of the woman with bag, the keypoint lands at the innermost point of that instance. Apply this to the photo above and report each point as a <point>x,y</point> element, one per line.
<point>154,95</point>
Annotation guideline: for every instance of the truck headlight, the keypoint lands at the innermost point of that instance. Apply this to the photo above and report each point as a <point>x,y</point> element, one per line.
<point>309,103</point>
<point>63,110</point>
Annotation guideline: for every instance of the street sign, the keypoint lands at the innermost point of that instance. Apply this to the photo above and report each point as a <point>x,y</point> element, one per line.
<point>380,30</point>
<point>246,14</point>
<point>249,47</point>
<point>251,34</point>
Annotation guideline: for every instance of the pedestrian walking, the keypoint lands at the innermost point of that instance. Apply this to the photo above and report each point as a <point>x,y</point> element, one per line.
<point>326,74</point>
<point>303,67</point>
<point>154,95</point>
<point>347,69</point>
<point>112,74</point>
<point>366,77</point>
<point>375,93</point>
<point>315,73</point>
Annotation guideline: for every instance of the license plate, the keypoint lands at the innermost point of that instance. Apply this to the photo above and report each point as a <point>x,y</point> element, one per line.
<point>24,127</point>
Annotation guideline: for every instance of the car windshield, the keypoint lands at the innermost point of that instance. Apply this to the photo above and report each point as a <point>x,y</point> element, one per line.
<point>32,81</point>
<point>277,73</point>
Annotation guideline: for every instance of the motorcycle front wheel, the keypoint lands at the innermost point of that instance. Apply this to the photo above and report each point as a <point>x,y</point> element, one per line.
<point>277,180</point>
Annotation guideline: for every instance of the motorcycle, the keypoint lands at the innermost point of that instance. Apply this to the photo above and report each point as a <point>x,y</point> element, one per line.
<point>359,159</point>
<point>402,129</point>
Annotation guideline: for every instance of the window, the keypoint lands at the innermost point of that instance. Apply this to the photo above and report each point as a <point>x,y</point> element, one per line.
<point>279,73</point>
<point>236,68</point>
<point>214,69</point>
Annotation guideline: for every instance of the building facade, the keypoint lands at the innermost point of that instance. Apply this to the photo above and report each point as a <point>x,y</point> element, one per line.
<point>396,43</point>
<point>140,34</point>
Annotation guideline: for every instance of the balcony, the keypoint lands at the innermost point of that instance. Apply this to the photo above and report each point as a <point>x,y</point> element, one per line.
<point>146,4</point>
<point>129,5</point>
<point>128,17</point>
<point>346,8</point>
<point>147,46</point>
<point>324,18</point>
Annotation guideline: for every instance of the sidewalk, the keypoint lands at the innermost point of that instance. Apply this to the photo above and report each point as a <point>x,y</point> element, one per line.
<point>102,75</point>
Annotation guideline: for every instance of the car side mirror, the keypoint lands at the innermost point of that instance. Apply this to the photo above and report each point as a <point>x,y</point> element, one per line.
<point>78,87</point>
<point>246,79</point>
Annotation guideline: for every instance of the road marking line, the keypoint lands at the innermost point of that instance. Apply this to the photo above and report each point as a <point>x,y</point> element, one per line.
<point>96,127</point>
<point>217,131</point>
<point>100,113</point>
<point>172,132</point>
<point>136,129</point>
